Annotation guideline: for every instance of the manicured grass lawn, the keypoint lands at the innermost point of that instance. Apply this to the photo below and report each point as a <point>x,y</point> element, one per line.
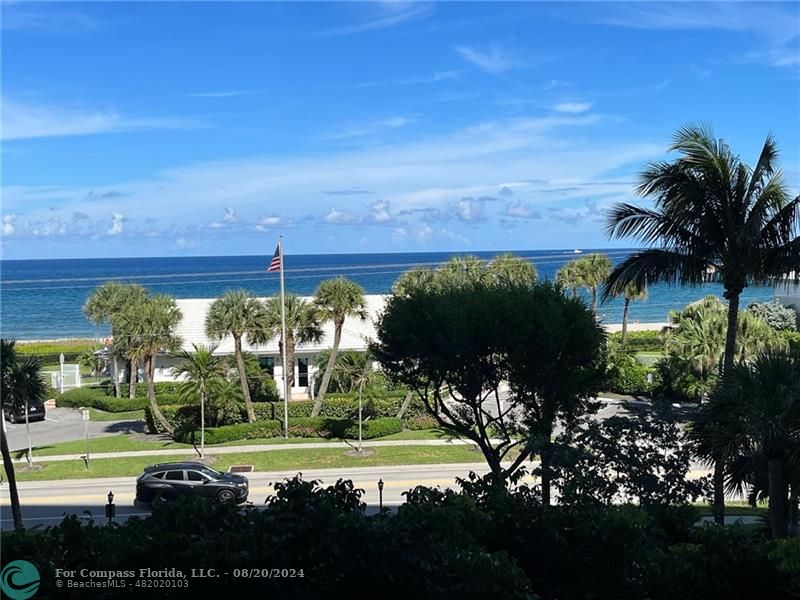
<point>279,460</point>
<point>649,358</point>
<point>102,415</point>
<point>125,443</point>
<point>71,346</point>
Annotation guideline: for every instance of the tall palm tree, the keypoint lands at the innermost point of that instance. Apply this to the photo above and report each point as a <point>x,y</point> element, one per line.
<point>106,303</point>
<point>508,269</point>
<point>462,270</point>
<point>361,373</point>
<point>149,328</point>
<point>632,291</point>
<point>568,277</point>
<point>240,315</point>
<point>592,271</point>
<point>302,327</point>
<point>413,279</point>
<point>201,371</point>
<point>336,299</point>
<point>714,217</point>
<point>753,420</point>
<point>20,380</point>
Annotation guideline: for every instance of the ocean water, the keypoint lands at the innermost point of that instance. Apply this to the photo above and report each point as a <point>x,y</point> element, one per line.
<point>42,299</point>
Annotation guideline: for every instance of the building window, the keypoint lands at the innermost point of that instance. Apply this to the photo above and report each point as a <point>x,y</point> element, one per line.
<point>302,372</point>
<point>267,363</point>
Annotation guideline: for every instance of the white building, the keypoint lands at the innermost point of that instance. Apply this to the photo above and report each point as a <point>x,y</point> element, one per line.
<point>192,331</point>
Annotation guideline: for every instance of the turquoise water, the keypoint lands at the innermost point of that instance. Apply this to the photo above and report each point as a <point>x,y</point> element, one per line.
<point>42,299</point>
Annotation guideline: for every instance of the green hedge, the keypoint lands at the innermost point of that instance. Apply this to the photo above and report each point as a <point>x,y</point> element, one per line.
<point>375,428</point>
<point>641,341</point>
<point>626,375</point>
<point>341,407</point>
<point>186,416</point>
<point>421,422</point>
<point>162,387</point>
<point>229,433</point>
<point>97,398</point>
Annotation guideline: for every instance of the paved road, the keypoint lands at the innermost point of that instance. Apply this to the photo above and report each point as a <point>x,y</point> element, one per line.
<point>46,503</point>
<point>64,425</point>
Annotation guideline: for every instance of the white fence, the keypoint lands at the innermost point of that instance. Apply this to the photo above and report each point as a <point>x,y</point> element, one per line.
<point>71,378</point>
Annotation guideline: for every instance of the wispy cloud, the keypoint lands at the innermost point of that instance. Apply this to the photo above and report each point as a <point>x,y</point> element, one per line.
<point>347,192</point>
<point>25,121</point>
<point>218,94</point>
<point>434,78</point>
<point>46,19</point>
<point>383,15</point>
<point>371,127</point>
<point>492,59</point>
<point>572,107</point>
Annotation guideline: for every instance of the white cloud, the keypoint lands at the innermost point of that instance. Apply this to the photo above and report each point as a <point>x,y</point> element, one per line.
<point>8,224</point>
<point>572,107</point>
<point>494,59</point>
<point>219,94</point>
<point>521,210</point>
<point>467,209</point>
<point>229,216</point>
<point>399,233</point>
<point>337,217</point>
<point>380,212</point>
<point>383,15</point>
<point>183,243</point>
<point>424,233</point>
<point>117,223</point>
<point>24,121</point>
<point>268,222</point>
<point>371,127</point>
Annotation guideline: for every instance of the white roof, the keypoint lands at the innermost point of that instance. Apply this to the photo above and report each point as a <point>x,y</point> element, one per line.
<point>355,333</point>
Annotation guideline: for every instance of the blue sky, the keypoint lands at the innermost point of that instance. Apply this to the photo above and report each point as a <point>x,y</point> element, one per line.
<point>158,129</point>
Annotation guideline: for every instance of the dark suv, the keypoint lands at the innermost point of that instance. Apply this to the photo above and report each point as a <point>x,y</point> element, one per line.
<point>15,411</point>
<point>169,481</point>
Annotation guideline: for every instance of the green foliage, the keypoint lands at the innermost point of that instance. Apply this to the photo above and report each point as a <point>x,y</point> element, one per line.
<point>678,381</point>
<point>97,398</point>
<point>641,341</point>
<point>421,422</point>
<point>230,433</point>
<point>792,340</point>
<point>626,375</point>
<point>375,428</point>
<point>161,387</point>
<point>323,427</point>
<point>777,315</point>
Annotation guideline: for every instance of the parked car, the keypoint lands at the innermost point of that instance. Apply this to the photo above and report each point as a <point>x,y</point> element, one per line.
<point>169,481</point>
<point>15,412</point>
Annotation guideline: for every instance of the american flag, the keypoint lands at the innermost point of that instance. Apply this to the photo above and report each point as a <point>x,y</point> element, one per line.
<point>275,263</point>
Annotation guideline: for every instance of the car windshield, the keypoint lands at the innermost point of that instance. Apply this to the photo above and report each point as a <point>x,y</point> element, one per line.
<point>211,472</point>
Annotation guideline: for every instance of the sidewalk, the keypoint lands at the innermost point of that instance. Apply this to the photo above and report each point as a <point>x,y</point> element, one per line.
<point>244,448</point>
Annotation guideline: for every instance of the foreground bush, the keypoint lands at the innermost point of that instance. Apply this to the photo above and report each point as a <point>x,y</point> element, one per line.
<point>481,542</point>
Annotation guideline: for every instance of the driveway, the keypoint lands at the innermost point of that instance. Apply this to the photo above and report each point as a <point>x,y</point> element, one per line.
<point>64,425</point>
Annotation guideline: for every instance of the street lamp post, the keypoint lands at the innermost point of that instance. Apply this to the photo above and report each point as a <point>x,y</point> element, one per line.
<point>380,495</point>
<point>111,510</point>
<point>61,373</point>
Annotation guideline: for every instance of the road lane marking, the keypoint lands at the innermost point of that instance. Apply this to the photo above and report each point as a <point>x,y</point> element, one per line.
<point>51,420</point>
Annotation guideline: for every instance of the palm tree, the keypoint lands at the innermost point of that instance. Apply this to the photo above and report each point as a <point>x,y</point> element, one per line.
<point>508,269</point>
<point>632,291</point>
<point>238,314</point>
<point>149,328</point>
<point>413,279</point>
<point>336,299</point>
<point>302,327</point>
<point>20,380</point>
<point>569,278</point>
<point>361,374</point>
<point>714,218</point>
<point>592,271</point>
<point>462,270</point>
<point>753,421</point>
<point>202,371</point>
<point>106,303</point>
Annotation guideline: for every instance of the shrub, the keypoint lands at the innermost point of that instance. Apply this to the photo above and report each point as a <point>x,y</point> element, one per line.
<point>229,433</point>
<point>641,341</point>
<point>792,339</point>
<point>375,428</point>
<point>677,381</point>
<point>96,398</point>
<point>626,375</point>
<point>420,422</point>
<point>343,406</point>
<point>180,417</point>
<point>323,427</point>
<point>777,315</point>
<point>161,387</point>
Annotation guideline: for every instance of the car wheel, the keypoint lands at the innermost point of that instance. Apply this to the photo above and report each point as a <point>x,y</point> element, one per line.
<point>226,496</point>
<point>12,418</point>
<point>158,499</point>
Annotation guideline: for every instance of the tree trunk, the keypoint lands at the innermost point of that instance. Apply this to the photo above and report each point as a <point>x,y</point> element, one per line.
<point>202,420</point>
<point>730,353</point>
<point>149,370</point>
<point>117,388</point>
<point>778,505</point>
<point>625,321</point>
<point>594,299</point>
<point>326,378</point>
<point>405,405</point>
<point>544,459</point>
<point>248,402</point>
<point>289,366</point>
<point>16,510</point>
<point>133,378</point>
<point>793,506</point>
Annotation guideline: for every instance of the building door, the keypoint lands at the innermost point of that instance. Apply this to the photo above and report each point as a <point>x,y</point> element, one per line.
<point>302,372</point>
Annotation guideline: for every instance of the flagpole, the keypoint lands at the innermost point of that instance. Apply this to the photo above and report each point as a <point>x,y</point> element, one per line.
<point>283,345</point>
